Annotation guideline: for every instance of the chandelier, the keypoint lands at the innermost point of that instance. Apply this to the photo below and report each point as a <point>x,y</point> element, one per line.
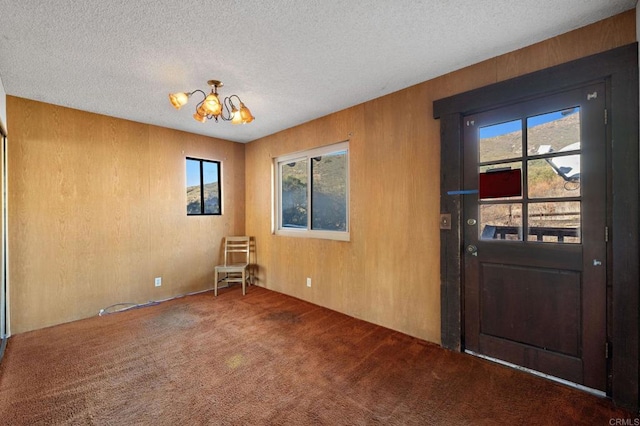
<point>210,106</point>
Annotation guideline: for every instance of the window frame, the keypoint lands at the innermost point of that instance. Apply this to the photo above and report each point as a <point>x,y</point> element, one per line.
<point>202,200</point>
<point>527,202</point>
<point>308,232</point>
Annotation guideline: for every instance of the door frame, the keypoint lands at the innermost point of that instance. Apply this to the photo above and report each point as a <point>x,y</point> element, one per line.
<point>4,292</point>
<point>618,69</point>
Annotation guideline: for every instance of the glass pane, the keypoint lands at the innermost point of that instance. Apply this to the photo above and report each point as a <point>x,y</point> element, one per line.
<point>554,177</point>
<point>501,222</point>
<point>294,194</point>
<point>329,192</point>
<point>555,222</point>
<point>194,205</point>
<point>501,141</point>
<point>210,178</point>
<point>506,166</point>
<point>553,131</point>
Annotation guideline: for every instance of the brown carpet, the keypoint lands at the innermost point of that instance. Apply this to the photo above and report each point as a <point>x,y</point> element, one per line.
<point>261,359</point>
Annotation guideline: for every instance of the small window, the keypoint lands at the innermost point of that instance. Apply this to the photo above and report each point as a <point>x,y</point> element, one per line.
<point>203,187</point>
<point>313,192</point>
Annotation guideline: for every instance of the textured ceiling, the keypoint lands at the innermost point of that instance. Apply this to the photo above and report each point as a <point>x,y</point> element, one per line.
<point>290,61</point>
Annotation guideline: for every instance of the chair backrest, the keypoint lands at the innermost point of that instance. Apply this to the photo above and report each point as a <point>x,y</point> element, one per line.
<point>234,245</point>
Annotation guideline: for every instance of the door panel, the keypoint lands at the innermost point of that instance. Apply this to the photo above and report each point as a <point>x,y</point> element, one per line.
<point>532,314</point>
<point>535,262</point>
<point>557,365</point>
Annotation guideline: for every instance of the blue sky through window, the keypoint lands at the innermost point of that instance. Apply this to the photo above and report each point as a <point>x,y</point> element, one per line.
<point>210,170</point>
<point>516,125</point>
<point>193,172</point>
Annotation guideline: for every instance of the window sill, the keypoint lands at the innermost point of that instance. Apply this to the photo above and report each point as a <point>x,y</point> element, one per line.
<point>304,233</point>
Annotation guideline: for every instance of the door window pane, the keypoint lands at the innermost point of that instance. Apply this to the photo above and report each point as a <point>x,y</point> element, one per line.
<point>553,131</point>
<point>500,141</point>
<point>557,222</point>
<point>501,222</point>
<point>503,166</point>
<point>294,194</point>
<point>554,177</point>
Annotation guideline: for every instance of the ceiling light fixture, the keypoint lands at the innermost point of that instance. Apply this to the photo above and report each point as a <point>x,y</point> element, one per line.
<point>211,108</point>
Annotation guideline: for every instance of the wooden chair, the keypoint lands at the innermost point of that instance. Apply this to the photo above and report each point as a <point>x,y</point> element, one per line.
<point>236,263</point>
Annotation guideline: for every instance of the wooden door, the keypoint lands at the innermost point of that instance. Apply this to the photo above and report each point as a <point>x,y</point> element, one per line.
<point>535,258</point>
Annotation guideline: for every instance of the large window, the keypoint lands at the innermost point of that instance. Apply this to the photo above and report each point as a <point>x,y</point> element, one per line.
<point>312,193</point>
<point>203,187</point>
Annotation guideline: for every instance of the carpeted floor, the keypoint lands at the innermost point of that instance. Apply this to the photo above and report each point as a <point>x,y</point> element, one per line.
<point>262,359</point>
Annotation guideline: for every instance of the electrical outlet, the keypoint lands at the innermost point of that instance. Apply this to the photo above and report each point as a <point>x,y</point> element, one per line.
<point>308,282</point>
<point>158,281</point>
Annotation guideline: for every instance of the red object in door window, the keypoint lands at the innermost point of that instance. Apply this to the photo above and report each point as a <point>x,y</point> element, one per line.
<point>500,183</point>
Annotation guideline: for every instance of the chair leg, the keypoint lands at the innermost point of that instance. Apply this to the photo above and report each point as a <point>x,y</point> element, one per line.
<point>215,285</point>
<point>244,283</point>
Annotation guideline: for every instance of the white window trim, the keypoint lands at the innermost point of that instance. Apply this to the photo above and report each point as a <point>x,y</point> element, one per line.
<point>277,191</point>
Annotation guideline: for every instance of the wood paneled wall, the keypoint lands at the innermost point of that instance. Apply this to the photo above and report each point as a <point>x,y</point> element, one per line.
<point>388,273</point>
<point>97,209</point>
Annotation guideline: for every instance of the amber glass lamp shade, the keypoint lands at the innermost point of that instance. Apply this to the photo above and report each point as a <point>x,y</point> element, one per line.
<point>201,114</point>
<point>212,104</point>
<point>201,110</point>
<point>199,118</point>
<point>178,100</point>
<point>236,118</point>
<point>245,114</point>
